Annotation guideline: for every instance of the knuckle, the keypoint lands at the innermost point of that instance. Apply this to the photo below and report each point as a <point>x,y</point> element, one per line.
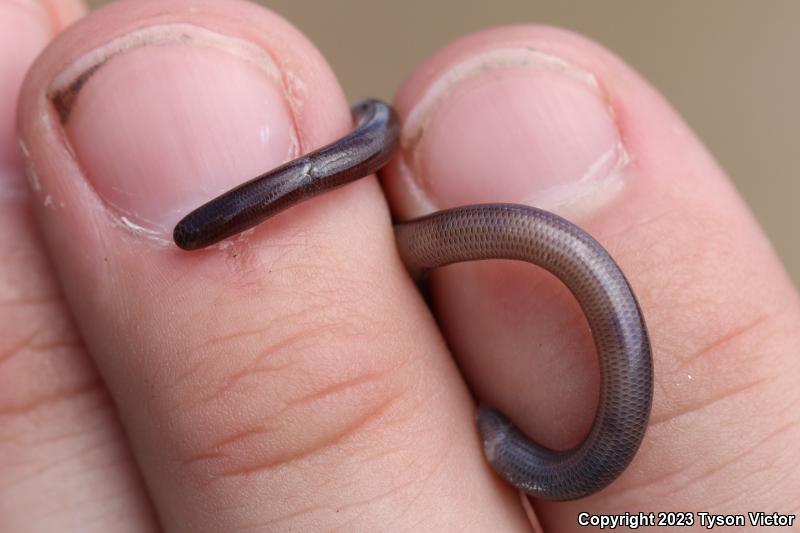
<point>43,365</point>
<point>272,396</point>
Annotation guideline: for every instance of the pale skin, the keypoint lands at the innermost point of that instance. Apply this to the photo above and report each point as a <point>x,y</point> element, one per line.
<point>296,380</point>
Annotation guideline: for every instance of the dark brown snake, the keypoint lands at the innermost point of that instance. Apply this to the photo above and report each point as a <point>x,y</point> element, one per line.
<point>467,234</point>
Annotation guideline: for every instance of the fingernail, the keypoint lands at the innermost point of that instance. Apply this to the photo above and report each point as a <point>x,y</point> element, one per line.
<point>24,32</point>
<point>514,125</point>
<point>165,118</point>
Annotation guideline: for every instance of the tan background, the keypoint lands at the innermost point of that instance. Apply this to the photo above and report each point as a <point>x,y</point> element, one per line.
<point>732,68</point>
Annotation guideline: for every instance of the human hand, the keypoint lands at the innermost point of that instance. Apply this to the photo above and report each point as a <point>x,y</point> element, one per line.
<point>295,380</point>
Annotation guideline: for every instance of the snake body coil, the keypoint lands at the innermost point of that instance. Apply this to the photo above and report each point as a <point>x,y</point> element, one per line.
<point>472,233</point>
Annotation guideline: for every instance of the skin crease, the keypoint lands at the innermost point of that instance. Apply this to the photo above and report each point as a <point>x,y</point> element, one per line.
<point>724,441</point>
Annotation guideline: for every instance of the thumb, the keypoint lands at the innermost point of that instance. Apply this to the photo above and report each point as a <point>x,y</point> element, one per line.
<point>543,117</point>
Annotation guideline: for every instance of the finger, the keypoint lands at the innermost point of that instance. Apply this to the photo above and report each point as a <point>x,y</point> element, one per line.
<point>27,27</point>
<point>541,116</point>
<point>289,380</point>
<point>64,464</point>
